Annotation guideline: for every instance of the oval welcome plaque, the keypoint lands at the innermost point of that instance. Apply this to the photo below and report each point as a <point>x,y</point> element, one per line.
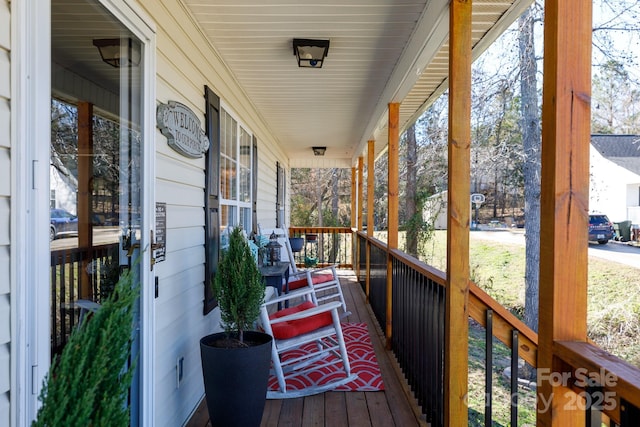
<point>182,128</point>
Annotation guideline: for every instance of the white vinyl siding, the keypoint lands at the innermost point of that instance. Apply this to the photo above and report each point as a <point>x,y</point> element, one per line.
<point>185,63</point>
<point>267,173</point>
<point>608,191</point>
<point>5,204</point>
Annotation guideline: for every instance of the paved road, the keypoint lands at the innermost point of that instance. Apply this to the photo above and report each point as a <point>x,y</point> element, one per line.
<point>612,251</point>
<point>101,236</point>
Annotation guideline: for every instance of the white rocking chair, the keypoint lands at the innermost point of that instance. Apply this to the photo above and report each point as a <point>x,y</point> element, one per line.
<point>297,325</point>
<point>324,279</point>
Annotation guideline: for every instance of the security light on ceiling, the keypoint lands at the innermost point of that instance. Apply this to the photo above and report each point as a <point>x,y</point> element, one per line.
<point>310,53</point>
<point>118,53</point>
<point>319,151</point>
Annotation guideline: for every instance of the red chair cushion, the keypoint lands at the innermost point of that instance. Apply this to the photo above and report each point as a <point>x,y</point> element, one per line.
<point>321,278</point>
<point>297,284</point>
<point>315,278</point>
<point>294,328</point>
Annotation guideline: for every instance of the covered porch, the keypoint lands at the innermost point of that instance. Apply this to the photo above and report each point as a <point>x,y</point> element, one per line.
<point>388,69</point>
<point>405,311</point>
<point>393,406</point>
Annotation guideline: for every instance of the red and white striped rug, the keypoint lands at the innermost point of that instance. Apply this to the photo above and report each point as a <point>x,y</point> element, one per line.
<point>361,357</point>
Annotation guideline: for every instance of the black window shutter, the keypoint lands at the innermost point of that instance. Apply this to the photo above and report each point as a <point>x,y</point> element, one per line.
<point>280,196</point>
<point>254,183</point>
<point>212,193</point>
<point>279,186</point>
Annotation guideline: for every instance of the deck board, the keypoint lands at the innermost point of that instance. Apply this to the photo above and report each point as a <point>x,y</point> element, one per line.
<point>313,412</point>
<point>392,407</point>
<point>357,409</point>
<point>379,410</point>
<point>271,414</point>
<point>291,414</point>
<point>335,407</point>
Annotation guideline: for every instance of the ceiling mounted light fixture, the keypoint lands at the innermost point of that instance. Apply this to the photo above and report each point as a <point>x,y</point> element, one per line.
<point>319,151</point>
<point>310,53</point>
<point>119,52</point>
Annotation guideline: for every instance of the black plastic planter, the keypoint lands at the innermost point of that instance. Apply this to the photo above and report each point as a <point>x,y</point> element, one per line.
<point>235,379</point>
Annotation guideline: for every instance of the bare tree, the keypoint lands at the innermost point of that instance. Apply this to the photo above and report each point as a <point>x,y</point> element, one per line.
<point>531,141</point>
<point>411,193</point>
<point>614,16</point>
<point>320,197</point>
<point>615,100</point>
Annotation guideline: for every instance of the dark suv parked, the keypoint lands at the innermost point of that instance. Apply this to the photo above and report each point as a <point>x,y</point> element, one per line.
<point>600,229</point>
<point>63,223</point>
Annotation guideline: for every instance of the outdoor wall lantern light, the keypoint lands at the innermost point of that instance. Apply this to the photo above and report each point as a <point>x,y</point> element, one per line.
<point>310,53</point>
<point>274,249</point>
<point>319,151</point>
<point>119,52</point>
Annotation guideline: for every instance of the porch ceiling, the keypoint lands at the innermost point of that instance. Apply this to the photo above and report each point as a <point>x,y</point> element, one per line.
<point>381,51</point>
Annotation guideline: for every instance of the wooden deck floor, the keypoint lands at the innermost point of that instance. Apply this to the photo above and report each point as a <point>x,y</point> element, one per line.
<point>392,407</point>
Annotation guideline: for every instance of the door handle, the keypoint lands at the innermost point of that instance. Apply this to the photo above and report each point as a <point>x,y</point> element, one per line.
<point>154,246</point>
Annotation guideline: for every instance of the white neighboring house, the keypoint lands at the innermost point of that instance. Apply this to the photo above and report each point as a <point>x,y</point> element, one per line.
<point>64,187</point>
<point>615,177</point>
<point>435,210</point>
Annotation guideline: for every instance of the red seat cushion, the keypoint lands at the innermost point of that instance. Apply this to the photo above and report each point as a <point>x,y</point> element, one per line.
<point>297,284</point>
<point>315,278</point>
<point>294,328</point>
<point>321,278</point>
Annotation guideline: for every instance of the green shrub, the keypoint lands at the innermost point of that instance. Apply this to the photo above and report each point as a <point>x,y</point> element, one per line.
<point>89,383</point>
<point>238,286</point>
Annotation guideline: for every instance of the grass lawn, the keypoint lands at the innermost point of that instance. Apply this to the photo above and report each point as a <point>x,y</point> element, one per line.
<point>498,268</point>
<point>501,399</point>
<point>613,315</point>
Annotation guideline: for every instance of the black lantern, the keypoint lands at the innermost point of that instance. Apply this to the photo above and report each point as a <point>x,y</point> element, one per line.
<point>273,248</point>
<point>319,151</point>
<point>310,53</point>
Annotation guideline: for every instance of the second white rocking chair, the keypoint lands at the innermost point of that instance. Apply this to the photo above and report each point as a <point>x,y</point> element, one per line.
<point>325,280</point>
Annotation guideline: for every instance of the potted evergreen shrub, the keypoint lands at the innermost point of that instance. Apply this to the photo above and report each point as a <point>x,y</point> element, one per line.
<point>235,363</point>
